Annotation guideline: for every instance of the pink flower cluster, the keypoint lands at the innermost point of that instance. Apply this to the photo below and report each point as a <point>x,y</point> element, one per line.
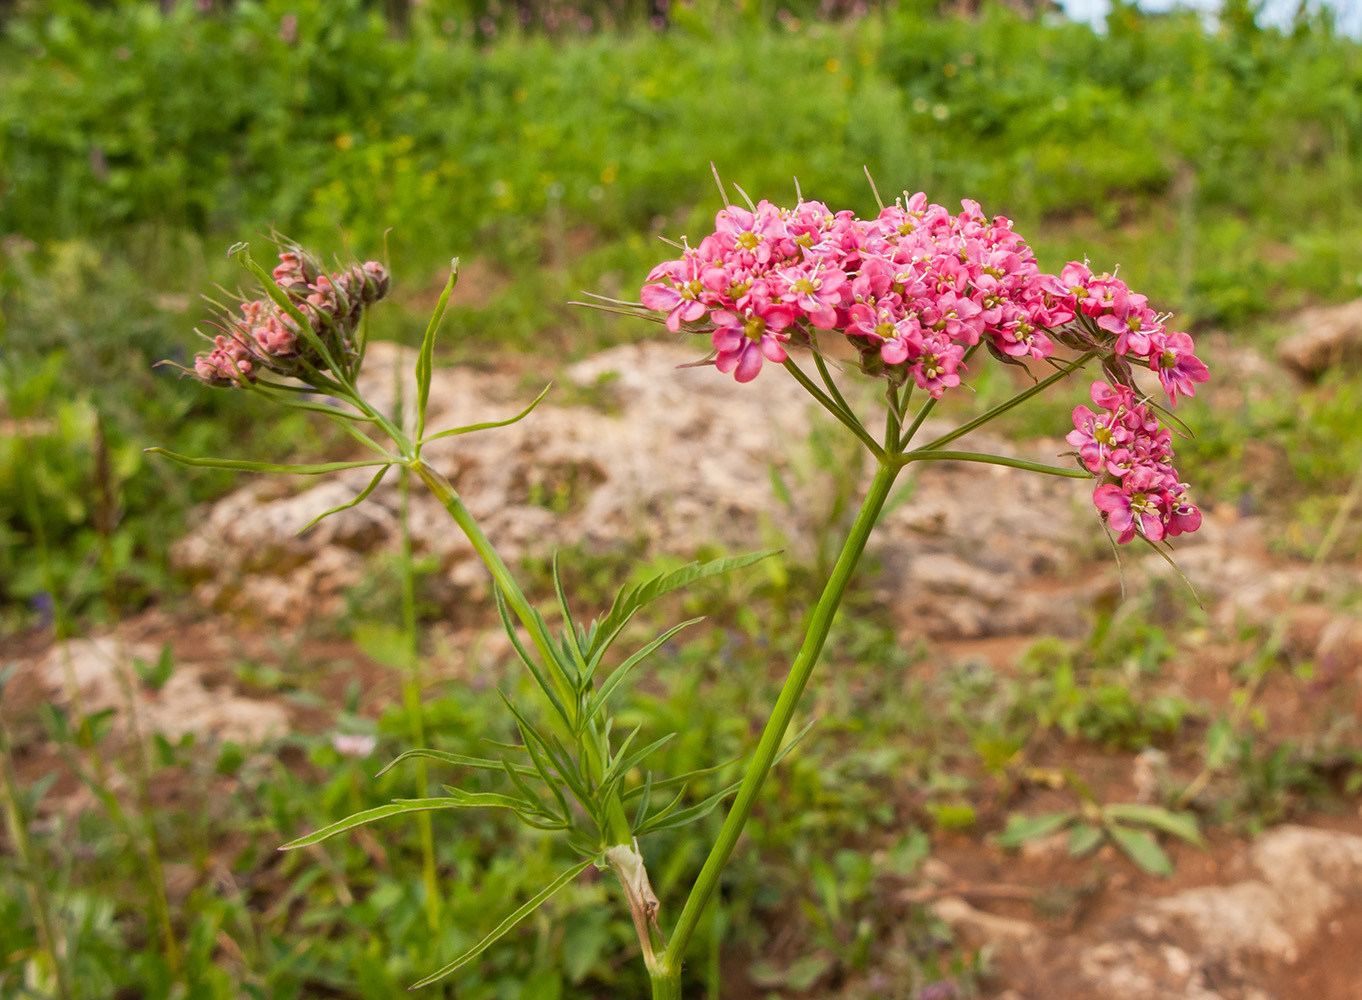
<point>1125,445</point>
<point>266,337</point>
<point>916,290</point>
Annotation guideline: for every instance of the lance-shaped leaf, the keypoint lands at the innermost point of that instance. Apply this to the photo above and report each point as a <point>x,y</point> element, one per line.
<point>240,466</point>
<point>617,771</point>
<point>458,759</point>
<point>355,502</point>
<point>371,815</point>
<point>1181,825</point>
<point>571,644</point>
<point>666,820</point>
<point>1142,848</point>
<point>489,424</point>
<point>622,671</point>
<point>544,683</point>
<point>534,902</point>
<point>631,599</point>
<point>425,359</point>
<point>1020,829</point>
<point>689,814</point>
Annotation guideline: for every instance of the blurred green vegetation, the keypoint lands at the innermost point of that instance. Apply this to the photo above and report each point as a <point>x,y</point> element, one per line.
<point>1216,168</point>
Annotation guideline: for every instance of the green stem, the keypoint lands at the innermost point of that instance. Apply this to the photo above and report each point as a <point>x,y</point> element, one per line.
<point>666,986</point>
<point>923,455</point>
<point>411,697</point>
<point>774,733</point>
<point>1015,401</point>
<point>617,823</point>
<point>845,417</point>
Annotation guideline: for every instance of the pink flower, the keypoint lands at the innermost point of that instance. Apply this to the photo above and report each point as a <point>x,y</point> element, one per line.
<point>937,369</point>
<point>1178,368</point>
<point>1132,508</point>
<point>742,341</point>
<point>682,300</point>
<point>814,290</point>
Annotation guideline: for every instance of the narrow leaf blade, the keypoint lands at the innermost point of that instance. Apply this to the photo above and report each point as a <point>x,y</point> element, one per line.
<point>534,902</point>
<point>370,816</point>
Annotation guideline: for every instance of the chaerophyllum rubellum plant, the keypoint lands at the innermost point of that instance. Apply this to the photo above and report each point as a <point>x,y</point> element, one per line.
<point>915,292</point>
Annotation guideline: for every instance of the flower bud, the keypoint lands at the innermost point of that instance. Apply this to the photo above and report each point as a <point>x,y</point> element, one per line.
<point>375,281</point>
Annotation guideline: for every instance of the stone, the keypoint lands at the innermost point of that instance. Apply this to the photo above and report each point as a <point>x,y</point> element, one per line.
<point>1324,338</point>
<point>184,704</point>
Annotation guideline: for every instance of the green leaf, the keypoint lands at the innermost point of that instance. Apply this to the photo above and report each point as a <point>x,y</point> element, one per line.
<point>680,779</point>
<point>359,498</point>
<point>154,676</point>
<point>489,424</point>
<point>1142,848</point>
<point>631,599</point>
<point>484,800</point>
<point>619,673</point>
<point>236,466</point>
<point>370,816</point>
<point>425,360</point>
<point>622,765</point>
<point>1181,825</point>
<point>569,626</point>
<point>544,684</point>
<point>534,902</point>
<point>663,821</point>
<point>1020,829</point>
<point>1083,839</point>
<point>458,759</point>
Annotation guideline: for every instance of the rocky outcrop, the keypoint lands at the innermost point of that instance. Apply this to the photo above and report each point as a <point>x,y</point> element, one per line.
<point>661,459</point>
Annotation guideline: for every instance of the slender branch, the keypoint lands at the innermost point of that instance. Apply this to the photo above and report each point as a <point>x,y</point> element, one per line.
<point>924,455</point>
<point>1015,401</point>
<point>617,823</point>
<point>826,375</point>
<point>843,416</point>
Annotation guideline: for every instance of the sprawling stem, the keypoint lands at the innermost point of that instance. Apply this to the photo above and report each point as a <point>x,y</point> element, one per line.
<point>774,733</point>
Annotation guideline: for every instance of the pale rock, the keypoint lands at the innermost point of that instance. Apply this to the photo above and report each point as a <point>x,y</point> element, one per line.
<point>184,704</point>
<point>1325,338</point>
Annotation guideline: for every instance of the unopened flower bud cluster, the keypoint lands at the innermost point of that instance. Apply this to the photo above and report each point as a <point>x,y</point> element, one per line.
<point>913,290</point>
<point>265,337</point>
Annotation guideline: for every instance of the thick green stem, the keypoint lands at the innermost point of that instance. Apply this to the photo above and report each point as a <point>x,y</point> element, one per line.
<point>666,984</point>
<point>774,733</point>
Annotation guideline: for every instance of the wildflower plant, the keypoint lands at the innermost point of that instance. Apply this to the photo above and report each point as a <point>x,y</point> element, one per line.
<point>915,292</point>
